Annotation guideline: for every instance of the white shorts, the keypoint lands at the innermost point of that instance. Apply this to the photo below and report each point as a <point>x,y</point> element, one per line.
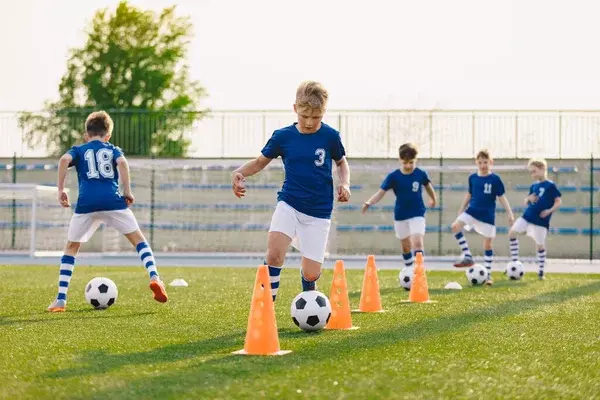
<point>536,232</point>
<point>309,233</point>
<point>484,229</point>
<point>409,227</point>
<point>83,226</point>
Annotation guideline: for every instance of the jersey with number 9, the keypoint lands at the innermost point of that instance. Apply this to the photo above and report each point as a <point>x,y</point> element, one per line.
<point>96,165</point>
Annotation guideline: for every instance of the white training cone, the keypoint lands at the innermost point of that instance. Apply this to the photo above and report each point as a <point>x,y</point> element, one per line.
<point>453,286</point>
<point>179,283</point>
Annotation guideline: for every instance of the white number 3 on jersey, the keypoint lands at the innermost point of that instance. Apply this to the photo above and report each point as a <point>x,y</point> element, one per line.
<point>321,154</point>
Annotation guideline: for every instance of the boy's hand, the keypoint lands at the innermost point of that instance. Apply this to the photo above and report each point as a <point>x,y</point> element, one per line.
<point>545,213</point>
<point>364,207</point>
<point>238,185</point>
<point>343,192</point>
<point>511,220</point>
<point>432,203</point>
<point>532,198</point>
<point>129,198</point>
<point>63,199</point>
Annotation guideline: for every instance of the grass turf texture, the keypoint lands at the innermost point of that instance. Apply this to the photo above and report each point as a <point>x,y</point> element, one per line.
<point>525,339</point>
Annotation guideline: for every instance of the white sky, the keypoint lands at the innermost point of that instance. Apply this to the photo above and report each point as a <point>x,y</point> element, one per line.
<point>387,54</point>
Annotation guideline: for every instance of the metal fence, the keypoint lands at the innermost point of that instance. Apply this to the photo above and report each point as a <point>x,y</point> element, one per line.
<point>560,134</point>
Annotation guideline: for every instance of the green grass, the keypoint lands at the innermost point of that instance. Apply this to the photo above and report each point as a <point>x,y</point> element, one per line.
<point>526,339</point>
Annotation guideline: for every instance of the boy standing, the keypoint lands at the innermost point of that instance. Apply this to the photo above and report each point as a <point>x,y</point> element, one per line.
<point>478,211</point>
<point>544,198</point>
<point>409,211</point>
<point>305,202</point>
<point>99,165</point>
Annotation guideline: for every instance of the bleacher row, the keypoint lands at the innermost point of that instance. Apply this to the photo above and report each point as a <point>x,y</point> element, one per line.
<point>270,207</point>
<point>264,228</point>
<point>356,188</point>
<point>217,167</point>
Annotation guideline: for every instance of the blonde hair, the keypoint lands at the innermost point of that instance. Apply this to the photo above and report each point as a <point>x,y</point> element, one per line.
<point>483,153</point>
<point>538,163</point>
<point>99,123</point>
<point>313,95</point>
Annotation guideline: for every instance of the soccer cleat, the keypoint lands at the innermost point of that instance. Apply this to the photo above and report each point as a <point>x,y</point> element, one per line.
<point>158,290</point>
<point>489,282</point>
<point>57,306</point>
<point>541,277</point>
<point>464,262</point>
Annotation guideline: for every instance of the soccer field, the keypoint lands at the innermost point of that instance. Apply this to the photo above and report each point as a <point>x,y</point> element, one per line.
<point>526,339</point>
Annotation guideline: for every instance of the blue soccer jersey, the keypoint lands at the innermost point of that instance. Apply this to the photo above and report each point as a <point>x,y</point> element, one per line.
<point>408,189</point>
<point>547,192</point>
<point>307,159</point>
<point>484,190</point>
<point>96,165</point>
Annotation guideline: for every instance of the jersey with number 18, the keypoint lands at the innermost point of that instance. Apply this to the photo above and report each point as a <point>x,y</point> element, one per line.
<point>96,165</point>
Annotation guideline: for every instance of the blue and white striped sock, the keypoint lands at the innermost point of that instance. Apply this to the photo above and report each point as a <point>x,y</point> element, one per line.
<point>464,246</point>
<point>514,249</point>
<point>488,258</point>
<point>274,276</point>
<point>541,260</point>
<point>147,257</point>
<point>409,260</point>
<point>67,264</point>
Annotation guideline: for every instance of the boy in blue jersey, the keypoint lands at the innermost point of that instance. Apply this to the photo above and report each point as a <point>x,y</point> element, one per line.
<point>409,211</point>
<point>478,211</point>
<point>99,164</point>
<point>305,202</point>
<point>544,198</point>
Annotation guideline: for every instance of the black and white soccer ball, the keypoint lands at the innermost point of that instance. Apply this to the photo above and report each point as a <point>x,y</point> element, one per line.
<point>477,274</point>
<point>311,310</point>
<point>405,277</point>
<point>515,270</point>
<point>101,293</point>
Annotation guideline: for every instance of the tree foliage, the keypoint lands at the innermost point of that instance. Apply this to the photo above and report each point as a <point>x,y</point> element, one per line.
<point>133,64</point>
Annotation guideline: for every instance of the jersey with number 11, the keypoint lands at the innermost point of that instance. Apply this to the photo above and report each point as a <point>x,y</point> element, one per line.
<point>96,165</point>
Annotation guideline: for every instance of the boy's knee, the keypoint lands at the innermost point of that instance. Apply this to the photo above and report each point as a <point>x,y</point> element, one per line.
<point>310,276</point>
<point>417,242</point>
<point>275,257</point>
<point>456,227</point>
<point>72,246</point>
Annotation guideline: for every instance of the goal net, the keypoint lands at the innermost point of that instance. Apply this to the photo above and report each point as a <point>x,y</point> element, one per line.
<point>31,219</point>
<point>186,206</point>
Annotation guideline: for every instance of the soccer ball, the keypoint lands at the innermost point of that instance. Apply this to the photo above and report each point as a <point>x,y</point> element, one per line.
<point>477,274</point>
<point>311,310</point>
<point>515,270</point>
<point>405,277</point>
<point>101,293</point>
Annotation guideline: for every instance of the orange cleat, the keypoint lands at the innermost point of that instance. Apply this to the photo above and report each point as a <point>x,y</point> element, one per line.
<point>159,291</point>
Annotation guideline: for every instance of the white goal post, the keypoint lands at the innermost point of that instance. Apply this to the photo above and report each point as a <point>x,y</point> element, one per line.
<point>24,208</point>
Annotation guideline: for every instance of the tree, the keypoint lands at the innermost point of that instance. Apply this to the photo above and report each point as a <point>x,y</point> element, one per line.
<point>132,65</point>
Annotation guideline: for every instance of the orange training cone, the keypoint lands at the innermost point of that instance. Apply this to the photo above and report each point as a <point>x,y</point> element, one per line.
<point>370,299</point>
<point>340,303</point>
<point>419,291</point>
<point>261,337</point>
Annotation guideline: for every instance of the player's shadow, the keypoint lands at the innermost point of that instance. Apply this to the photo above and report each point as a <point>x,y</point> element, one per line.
<point>46,317</point>
<point>100,361</point>
<point>235,368</point>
